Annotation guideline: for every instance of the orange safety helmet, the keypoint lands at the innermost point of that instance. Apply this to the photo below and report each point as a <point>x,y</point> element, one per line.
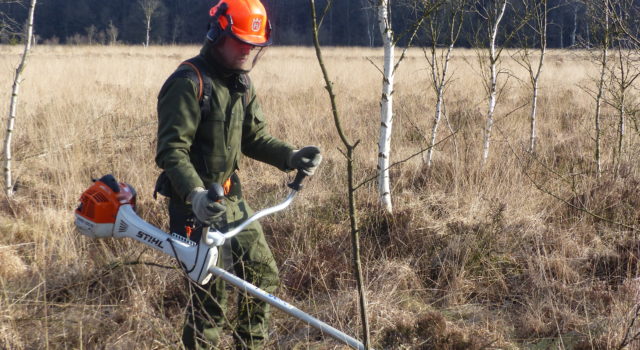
<point>245,20</point>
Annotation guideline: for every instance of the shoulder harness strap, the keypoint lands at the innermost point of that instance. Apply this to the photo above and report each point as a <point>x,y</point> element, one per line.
<point>204,83</point>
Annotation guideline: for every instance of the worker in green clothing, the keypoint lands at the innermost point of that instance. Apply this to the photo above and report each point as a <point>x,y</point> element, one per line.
<point>208,115</point>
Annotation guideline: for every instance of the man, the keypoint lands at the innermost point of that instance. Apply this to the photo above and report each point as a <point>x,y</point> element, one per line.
<point>208,115</point>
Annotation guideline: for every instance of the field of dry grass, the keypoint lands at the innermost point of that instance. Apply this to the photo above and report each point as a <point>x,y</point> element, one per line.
<point>472,257</point>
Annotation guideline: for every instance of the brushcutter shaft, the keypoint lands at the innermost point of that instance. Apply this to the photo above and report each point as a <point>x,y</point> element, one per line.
<point>286,307</point>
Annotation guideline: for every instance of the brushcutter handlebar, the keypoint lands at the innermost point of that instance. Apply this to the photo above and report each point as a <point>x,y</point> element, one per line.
<point>296,185</point>
<point>215,193</point>
<point>213,237</point>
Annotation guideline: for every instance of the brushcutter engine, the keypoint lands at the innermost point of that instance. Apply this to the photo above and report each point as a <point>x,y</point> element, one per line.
<point>107,210</point>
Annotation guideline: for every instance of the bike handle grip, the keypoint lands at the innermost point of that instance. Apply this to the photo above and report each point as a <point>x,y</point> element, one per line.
<point>296,185</point>
<point>215,193</point>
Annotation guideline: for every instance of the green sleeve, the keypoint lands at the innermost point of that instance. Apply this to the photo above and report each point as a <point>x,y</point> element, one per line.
<point>257,143</point>
<point>178,119</point>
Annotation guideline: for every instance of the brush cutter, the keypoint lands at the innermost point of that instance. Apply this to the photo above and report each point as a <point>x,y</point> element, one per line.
<point>107,210</point>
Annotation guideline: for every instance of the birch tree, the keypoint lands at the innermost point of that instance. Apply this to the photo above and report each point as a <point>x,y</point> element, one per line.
<point>112,33</point>
<point>574,28</point>
<point>538,10</point>
<point>91,34</point>
<point>600,17</point>
<point>439,63</point>
<point>625,69</point>
<point>386,101</point>
<point>148,7</point>
<point>386,105</point>
<point>624,75</point>
<point>492,13</point>
<point>13,105</point>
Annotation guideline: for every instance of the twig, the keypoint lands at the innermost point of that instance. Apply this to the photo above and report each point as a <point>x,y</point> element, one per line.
<point>544,190</point>
<point>404,160</point>
<point>16,245</point>
<point>626,340</point>
<point>375,65</point>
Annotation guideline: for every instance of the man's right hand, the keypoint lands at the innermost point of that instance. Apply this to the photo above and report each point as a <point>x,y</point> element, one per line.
<point>205,210</point>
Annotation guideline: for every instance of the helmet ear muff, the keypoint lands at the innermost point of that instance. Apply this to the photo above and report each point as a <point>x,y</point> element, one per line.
<point>215,30</point>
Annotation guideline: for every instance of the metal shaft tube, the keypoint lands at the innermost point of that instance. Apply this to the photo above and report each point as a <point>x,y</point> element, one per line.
<point>286,307</point>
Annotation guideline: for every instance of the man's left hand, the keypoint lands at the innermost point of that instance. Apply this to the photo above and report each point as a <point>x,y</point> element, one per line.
<point>305,159</point>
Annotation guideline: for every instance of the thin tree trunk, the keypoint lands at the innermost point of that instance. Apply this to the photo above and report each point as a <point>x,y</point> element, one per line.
<point>439,79</point>
<point>599,96</point>
<point>493,61</point>
<point>13,105</point>
<point>440,97</point>
<point>621,105</point>
<point>588,34</point>
<point>621,127</point>
<point>355,246</point>
<point>534,107</point>
<point>368,25</point>
<point>536,79</point>
<point>386,107</point>
<point>575,25</point>
<point>353,213</point>
<point>148,31</point>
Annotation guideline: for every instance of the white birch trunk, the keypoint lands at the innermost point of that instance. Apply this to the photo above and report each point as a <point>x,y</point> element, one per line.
<point>536,79</point>
<point>386,106</point>
<point>440,86</point>
<point>574,30</point>
<point>13,105</point>
<point>493,93</point>
<point>148,31</point>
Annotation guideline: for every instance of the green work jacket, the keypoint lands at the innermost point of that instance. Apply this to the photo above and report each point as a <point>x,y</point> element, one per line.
<point>197,151</point>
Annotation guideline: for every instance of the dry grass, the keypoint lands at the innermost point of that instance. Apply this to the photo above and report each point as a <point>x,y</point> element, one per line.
<point>472,257</point>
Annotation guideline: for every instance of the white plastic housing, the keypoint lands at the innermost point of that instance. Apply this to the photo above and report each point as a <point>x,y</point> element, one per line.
<point>195,259</point>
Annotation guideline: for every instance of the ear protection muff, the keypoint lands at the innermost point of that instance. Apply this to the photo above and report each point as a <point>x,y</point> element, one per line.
<point>215,31</point>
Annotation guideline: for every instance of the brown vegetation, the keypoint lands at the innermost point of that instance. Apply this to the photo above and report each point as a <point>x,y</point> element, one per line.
<point>525,251</point>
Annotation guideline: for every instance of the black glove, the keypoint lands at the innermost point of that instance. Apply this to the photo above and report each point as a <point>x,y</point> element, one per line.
<point>305,159</point>
<point>205,210</point>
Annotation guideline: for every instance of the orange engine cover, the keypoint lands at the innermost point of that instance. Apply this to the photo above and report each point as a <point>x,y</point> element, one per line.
<point>100,202</point>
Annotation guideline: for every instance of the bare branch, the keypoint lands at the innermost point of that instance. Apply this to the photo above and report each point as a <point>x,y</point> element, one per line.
<point>541,188</point>
<point>404,160</point>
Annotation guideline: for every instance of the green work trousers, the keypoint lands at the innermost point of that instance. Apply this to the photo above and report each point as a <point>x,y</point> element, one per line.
<point>252,261</point>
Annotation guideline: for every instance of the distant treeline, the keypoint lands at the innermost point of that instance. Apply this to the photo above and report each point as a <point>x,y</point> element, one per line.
<point>347,23</point>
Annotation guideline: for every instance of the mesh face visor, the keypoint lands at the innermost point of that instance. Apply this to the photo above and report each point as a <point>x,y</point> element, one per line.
<point>254,56</point>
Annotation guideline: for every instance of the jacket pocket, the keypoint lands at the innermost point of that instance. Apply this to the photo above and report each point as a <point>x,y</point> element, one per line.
<point>214,163</point>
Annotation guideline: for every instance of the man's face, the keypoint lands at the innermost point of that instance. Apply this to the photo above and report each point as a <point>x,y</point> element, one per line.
<point>235,54</point>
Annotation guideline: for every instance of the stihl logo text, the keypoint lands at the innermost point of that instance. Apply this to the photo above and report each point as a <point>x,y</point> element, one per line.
<point>149,238</point>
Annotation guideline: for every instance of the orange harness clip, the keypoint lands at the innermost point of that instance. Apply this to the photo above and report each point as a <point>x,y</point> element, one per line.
<point>226,186</point>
